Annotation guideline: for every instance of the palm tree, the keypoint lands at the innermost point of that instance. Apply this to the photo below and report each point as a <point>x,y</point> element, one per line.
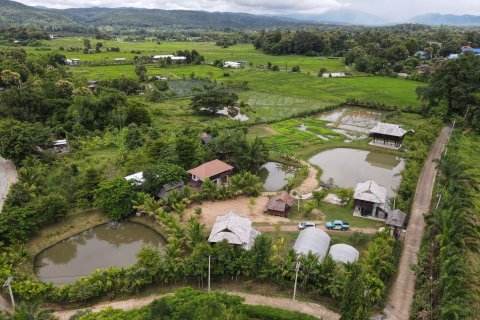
<point>33,311</point>
<point>194,232</point>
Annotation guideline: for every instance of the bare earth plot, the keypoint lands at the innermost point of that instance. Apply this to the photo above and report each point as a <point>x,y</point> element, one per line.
<point>401,295</point>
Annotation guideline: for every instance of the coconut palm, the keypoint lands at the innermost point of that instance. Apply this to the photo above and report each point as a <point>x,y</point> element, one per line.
<point>194,232</point>
<point>30,311</point>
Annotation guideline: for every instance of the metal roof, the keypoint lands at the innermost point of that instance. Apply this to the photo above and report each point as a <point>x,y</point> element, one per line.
<point>235,229</point>
<point>136,178</point>
<point>370,191</point>
<point>344,253</point>
<point>388,129</point>
<point>312,240</point>
<point>396,218</point>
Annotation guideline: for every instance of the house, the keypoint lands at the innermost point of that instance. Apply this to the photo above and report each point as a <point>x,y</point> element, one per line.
<point>396,221</point>
<point>312,240</point>
<point>370,199</point>
<point>279,205</point>
<point>60,146</point>
<point>470,49</point>
<point>168,188</point>
<point>233,64</point>
<point>391,134</point>
<point>344,253</point>
<point>171,56</point>
<point>136,178</point>
<point>217,171</point>
<point>75,61</point>
<point>234,229</point>
<point>120,59</point>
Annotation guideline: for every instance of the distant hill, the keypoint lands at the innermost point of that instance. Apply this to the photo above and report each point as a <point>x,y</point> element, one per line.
<point>342,16</point>
<point>447,19</point>
<point>16,14</point>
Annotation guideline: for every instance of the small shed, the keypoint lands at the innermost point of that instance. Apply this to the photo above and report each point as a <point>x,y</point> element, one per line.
<point>312,240</point>
<point>234,229</point>
<point>279,205</point>
<point>370,199</point>
<point>344,253</point>
<point>396,221</point>
<point>169,188</point>
<point>389,133</point>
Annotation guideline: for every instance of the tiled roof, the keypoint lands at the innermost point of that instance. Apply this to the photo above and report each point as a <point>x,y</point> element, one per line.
<point>370,191</point>
<point>210,169</point>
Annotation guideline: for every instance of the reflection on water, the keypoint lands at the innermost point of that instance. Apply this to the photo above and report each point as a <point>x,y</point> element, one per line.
<point>276,175</point>
<point>104,246</point>
<point>348,167</point>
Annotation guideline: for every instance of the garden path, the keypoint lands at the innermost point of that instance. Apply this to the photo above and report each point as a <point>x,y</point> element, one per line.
<point>250,298</point>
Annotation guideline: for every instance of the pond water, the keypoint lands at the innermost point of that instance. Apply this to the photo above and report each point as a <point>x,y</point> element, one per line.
<point>348,167</point>
<point>354,123</point>
<point>276,175</point>
<point>104,246</point>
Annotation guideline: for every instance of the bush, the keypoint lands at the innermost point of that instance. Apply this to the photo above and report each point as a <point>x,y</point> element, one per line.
<point>269,313</point>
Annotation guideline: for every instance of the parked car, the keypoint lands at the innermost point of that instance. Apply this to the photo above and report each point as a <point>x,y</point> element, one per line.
<point>337,225</point>
<point>305,224</point>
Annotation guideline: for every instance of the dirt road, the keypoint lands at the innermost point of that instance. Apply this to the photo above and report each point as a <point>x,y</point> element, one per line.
<point>252,299</point>
<point>401,295</point>
<point>8,176</point>
<point>310,184</point>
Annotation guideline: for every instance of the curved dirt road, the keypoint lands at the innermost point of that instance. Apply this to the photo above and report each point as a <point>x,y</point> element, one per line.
<point>401,295</point>
<point>252,299</point>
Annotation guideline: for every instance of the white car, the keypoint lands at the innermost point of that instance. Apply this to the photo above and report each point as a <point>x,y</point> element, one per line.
<point>305,224</point>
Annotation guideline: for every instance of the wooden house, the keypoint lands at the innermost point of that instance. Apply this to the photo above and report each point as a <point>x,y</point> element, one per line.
<point>279,205</point>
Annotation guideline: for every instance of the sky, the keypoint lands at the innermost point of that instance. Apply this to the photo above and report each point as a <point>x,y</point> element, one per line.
<point>392,10</point>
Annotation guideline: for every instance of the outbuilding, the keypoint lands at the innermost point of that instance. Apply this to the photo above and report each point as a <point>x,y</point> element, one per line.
<point>388,133</point>
<point>234,229</point>
<point>312,240</point>
<point>344,253</point>
<point>370,199</point>
<point>396,221</point>
<point>136,178</point>
<point>279,205</point>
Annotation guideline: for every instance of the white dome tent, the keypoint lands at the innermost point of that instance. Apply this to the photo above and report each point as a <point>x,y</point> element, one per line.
<point>312,240</point>
<point>344,253</point>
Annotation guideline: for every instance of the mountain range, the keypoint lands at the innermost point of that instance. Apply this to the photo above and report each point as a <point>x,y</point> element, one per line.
<point>16,14</point>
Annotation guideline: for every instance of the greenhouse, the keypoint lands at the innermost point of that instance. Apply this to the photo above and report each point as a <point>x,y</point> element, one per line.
<point>312,240</point>
<point>344,253</point>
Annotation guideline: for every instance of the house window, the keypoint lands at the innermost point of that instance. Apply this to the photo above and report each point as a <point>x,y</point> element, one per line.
<point>194,178</point>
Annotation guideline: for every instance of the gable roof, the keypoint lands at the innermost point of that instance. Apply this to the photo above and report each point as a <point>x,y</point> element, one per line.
<point>280,202</point>
<point>210,169</point>
<point>370,191</point>
<point>396,218</point>
<point>235,229</point>
<point>388,129</point>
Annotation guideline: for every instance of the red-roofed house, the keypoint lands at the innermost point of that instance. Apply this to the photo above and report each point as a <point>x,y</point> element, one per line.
<point>216,170</point>
<point>280,204</point>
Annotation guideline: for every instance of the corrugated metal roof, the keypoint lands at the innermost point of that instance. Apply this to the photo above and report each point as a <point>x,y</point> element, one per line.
<point>396,218</point>
<point>388,129</point>
<point>370,191</point>
<point>235,229</point>
<point>312,240</point>
<point>344,253</point>
<point>280,202</point>
<point>136,178</point>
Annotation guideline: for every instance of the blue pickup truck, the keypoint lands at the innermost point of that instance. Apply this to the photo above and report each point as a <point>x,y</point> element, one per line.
<point>337,225</point>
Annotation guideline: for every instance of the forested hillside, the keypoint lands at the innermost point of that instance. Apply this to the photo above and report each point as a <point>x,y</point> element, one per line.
<point>16,14</point>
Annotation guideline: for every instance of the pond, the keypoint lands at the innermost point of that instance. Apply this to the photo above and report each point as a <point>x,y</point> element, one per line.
<point>348,167</point>
<point>101,247</point>
<point>354,123</point>
<point>275,175</point>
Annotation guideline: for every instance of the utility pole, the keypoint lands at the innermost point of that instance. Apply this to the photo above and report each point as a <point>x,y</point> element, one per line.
<point>209,265</point>
<point>297,267</point>
<point>8,284</point>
